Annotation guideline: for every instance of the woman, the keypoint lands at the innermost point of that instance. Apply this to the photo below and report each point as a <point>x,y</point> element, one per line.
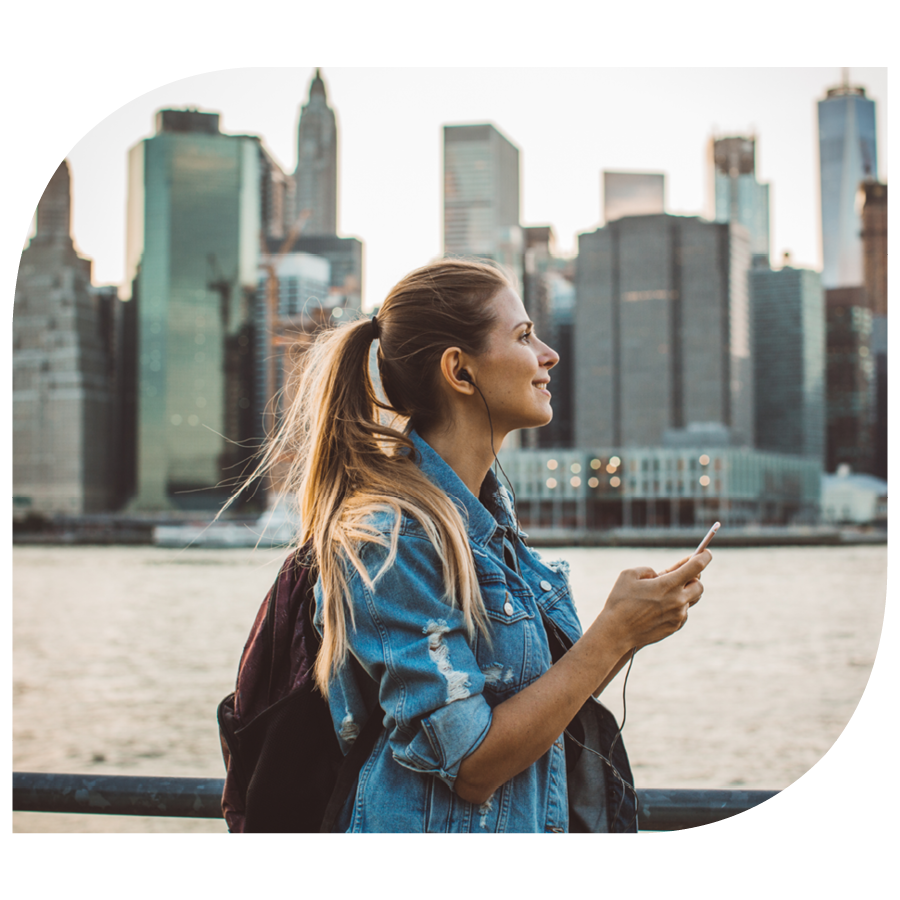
<point>434,614</point>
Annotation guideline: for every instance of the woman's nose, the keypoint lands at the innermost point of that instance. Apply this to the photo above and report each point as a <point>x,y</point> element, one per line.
<point>549,358</point>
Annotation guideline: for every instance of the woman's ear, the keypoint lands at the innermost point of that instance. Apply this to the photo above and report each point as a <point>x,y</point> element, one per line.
<point>455,372</point>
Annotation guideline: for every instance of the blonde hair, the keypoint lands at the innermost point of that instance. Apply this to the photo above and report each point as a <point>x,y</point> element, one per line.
<point>342,453</point>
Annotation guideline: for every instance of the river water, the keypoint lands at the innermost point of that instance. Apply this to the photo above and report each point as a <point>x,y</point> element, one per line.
<point>122,654</point>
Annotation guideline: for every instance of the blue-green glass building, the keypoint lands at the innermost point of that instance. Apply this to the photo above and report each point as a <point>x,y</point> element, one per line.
<point>789,360</point>
<point>200,203</point>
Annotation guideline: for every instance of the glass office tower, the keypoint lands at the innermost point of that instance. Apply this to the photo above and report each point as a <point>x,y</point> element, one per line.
<point>739,197</point>
<point>481,195</point>
<point>847,157</point>
<point>789,360</point>
<point>196,212</point>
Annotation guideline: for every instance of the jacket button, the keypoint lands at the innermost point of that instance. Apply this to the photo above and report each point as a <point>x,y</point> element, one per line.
<point>508,607</point>
<point>545,585</point>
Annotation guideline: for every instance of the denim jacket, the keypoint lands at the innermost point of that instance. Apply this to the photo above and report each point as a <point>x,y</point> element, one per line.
<point>411,655</point>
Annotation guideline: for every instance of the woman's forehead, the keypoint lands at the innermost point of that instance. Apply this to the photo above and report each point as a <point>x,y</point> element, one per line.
<point>509,309</point>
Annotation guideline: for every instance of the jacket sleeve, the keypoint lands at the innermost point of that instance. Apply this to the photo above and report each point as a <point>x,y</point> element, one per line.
<point>416,647</point>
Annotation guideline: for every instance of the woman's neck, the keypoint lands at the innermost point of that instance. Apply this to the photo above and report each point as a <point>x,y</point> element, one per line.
<point>467,450</point>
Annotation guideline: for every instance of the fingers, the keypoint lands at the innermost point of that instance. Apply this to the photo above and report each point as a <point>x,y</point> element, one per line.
<point>689,569</point>
<point>693,591</point>
<point>677,565</point>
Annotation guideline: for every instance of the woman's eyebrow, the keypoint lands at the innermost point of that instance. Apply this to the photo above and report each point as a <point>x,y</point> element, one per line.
<point>527,322</point>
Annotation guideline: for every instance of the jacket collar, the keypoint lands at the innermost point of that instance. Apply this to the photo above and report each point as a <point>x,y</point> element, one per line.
<point>482,517</point>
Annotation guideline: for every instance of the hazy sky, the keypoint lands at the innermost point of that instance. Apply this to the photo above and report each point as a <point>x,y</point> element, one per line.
<point>569,125</point>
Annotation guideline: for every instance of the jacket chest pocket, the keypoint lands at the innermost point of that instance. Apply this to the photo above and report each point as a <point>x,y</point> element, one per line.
<point>511,659</point>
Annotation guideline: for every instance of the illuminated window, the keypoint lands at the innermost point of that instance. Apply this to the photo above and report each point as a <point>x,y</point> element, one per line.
<point>337,312</point>
<point>616,461</point>
<point>595,463</point>
<point>552,464</point>
<point>704,460</point>
<point>575,467</point>
<point>551,483</point>
<point>594,482</point>
<point>704,480</point>
<point>610,468</point>
<point>615,481</point>
<point>575,481</point>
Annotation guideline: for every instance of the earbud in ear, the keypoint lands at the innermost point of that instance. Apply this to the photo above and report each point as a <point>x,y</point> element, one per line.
<point>465,376</point>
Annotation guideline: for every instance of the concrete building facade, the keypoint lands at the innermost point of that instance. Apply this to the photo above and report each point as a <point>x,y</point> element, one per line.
<point>316,175</point>
<point>63,332</point>
<point>662,331</point>
<point>633,194</point>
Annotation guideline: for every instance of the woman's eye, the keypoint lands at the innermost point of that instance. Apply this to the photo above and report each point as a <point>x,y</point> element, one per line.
<point>527,336</point>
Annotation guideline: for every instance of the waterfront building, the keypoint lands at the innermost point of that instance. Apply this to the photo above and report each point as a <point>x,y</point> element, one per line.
<point>662,331</point>
<point>481,196</point>
<point>315,178</point>
<point>198,202</point>
<point>847,158</point>
<point>737,195</point>
<point>63,378</point>
<point>671,487</point>
<point>853,498</point>
<point>850,380</point>
<point>788,307</point>
<point>633,194</point>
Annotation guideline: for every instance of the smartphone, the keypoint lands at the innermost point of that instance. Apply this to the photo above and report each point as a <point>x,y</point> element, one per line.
<point>709,536</point>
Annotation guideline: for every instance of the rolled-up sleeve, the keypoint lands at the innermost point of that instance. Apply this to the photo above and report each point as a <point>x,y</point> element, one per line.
<point>416,647</point>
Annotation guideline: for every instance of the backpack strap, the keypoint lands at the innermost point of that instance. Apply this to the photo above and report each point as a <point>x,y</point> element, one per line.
<point>350,768</point>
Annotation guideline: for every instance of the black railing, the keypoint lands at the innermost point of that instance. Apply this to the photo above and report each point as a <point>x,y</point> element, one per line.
<point>200,798</point>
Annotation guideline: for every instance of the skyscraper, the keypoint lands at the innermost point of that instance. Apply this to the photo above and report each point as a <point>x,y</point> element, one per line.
<point>873,195</point>
<point>62,371</point>
<point>874,241</point>
<point>481,195</point>
<point>633,194</point>
<point>789,360</point>
<point>662,332</point>
<point>850,380</point>
<point>197,205</point>
<point>315,178</point>
<point>738,196</point>
<point>847,157</point>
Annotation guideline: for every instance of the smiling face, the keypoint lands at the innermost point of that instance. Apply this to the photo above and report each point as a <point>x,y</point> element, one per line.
<point>514,372</point>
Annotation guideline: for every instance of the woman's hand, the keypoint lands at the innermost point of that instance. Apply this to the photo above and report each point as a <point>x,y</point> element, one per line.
<point>644,607</point>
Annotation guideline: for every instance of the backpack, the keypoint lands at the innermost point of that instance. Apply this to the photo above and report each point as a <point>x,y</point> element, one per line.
<point>285,771</point>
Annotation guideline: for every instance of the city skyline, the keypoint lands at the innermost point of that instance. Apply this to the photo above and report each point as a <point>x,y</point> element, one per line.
<point>389,188</point>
